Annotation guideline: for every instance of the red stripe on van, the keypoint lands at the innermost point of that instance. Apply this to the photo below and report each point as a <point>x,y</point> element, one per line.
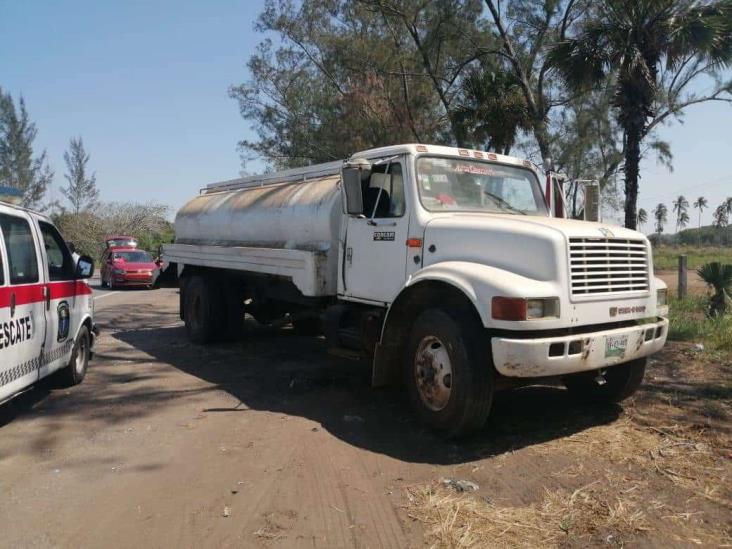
<point>33,293</point>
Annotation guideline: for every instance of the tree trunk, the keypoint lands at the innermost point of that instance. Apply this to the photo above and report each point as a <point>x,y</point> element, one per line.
<point>634,132</point>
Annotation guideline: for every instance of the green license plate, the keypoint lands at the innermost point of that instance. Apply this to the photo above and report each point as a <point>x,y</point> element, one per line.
<point>615,346</point>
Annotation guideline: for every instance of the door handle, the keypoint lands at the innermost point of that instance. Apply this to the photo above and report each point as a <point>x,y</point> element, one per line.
<point>12,304</point>
<point>349,255</point>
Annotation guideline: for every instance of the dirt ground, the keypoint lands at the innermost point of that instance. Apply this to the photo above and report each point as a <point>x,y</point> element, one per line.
<point>270,442</point>
<point>694,283</point>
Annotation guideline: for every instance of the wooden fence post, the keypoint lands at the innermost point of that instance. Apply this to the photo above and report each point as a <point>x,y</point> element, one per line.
<point>682,277</point>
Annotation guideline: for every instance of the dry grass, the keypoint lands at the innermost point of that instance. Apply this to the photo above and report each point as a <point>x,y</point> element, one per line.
<point>660,473</point>
<point>589,513</point>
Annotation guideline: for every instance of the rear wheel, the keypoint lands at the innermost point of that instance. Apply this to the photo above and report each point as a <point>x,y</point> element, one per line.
<point>448,373</point>
<point>204,310</point>
<point>621,382</point>
<point>75,372</point>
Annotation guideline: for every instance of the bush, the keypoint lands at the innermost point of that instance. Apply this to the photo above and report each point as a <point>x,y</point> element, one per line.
<point>689,322</point>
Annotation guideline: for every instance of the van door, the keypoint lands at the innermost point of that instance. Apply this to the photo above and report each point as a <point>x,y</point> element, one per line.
<point>67,299</point>
<point>374,258</point>
<point>22,316</point>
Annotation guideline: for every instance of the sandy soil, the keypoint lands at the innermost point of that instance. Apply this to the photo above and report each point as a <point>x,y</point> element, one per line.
<point>694,284</point>
<point>271,442</point>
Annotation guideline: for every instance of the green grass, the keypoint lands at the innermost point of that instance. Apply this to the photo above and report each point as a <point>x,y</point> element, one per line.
<point>689,322</point>
<point>667,257</point>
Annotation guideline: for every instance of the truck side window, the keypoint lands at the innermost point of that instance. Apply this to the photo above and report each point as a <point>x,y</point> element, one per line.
<point>389,193</point>
<point>22,260</point>
<point>60,262</point>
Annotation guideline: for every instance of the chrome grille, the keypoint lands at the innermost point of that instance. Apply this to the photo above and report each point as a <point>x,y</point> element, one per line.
<point>608,265</point>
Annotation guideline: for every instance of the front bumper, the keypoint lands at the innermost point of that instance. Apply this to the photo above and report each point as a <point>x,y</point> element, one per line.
<point>134,281</point>
<point>552,356</point>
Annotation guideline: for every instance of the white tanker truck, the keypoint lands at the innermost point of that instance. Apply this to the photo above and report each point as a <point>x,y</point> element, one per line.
<point>441,265</point>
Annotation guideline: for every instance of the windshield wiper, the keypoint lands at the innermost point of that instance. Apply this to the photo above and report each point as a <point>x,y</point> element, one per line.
<point>501,202</point>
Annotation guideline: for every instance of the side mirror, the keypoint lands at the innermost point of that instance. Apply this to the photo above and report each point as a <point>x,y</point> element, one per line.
<point>84,267</point>
<point>351,178</point>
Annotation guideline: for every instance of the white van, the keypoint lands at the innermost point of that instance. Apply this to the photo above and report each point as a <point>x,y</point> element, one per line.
<point>46,306</point>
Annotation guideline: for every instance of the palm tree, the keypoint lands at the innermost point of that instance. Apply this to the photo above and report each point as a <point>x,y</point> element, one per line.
<point>700,203</point>
<point>719,277</point>
<point>642,218</point>
<point>660,214</point>
<point>682,221</point>
<point>721,218</point>
<point>633,40</point>
<point>680,205</point>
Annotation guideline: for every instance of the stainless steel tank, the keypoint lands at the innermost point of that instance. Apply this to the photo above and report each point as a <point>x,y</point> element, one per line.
<point>302,215</point>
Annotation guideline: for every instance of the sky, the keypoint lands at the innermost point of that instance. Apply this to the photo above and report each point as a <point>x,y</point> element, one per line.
<point>145,85</point>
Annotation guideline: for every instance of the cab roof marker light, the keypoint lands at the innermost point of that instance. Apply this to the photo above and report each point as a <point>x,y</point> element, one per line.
<point>422,148</point>
<point>463,152</point>
<point>492,156</point>
<point>477,154</point>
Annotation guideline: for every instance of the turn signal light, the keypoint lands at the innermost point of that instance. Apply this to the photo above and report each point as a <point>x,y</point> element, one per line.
<point>414,242</point>
<point>508,308</point>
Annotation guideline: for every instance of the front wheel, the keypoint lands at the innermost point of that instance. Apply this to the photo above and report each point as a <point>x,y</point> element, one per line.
<point>75,372</point>
<point>621,382</point>
<point>448,372</point>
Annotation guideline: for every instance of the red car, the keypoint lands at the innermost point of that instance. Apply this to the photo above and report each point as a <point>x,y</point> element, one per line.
<point>128,267</point>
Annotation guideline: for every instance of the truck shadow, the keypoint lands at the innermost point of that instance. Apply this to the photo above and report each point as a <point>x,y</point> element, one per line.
<point>275,370</point>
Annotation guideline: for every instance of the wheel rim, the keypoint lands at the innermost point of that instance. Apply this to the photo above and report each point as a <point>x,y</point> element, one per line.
<point>81,356</point>
<point>433,373</point>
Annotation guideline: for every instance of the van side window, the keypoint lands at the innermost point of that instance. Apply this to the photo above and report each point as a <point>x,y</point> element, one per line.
<point>388,192</point>
<point>22,260</point>
<point>60,262</point>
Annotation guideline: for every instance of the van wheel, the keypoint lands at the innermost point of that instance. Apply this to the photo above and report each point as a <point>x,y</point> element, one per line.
<point>448,372</point>
<point>621,382</point>
<point>204,310</point>
<point>75,372</point>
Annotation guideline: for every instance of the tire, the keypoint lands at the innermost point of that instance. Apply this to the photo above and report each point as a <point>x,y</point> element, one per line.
<point>622,381</point>
<point>204,310</point>
<point>74,373</point>
<point>307,326</point>
<point>458,403</point>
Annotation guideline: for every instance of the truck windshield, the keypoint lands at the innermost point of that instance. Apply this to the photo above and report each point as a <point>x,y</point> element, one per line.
<point>469,185</point>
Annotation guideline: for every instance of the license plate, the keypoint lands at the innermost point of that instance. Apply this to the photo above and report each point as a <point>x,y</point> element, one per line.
<point>615,346</point>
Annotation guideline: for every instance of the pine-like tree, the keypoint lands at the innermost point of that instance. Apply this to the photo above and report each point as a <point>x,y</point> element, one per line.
<point>19,167</point>
<point>81,189</point>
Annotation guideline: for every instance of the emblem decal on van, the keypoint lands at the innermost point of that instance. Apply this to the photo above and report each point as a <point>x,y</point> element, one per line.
<point>63,321</point>
<point>384,236</point>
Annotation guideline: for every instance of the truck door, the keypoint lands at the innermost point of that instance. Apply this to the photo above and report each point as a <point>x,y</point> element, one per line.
<point>22,316</point>
<point>375,253</point>
<point>66,299</point>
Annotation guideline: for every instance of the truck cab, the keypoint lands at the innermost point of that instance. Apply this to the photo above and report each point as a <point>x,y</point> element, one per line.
<point>46,307</point>
<point>443,265</point>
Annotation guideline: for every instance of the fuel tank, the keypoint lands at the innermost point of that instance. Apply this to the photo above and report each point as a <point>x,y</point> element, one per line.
<point>303,215</point>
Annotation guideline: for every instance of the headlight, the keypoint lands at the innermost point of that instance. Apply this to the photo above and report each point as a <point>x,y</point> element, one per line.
<point>662,297</point>
<point>521,308</point>
<point>542,308</point>
<point>118,271</point>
